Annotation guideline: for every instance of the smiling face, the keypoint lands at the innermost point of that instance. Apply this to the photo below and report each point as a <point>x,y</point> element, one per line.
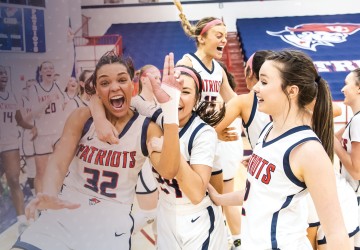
<point>114,88</point>
<point>271,97</point>
<point>351,90</point>
<point>188,99</point>
<point>214,41</point>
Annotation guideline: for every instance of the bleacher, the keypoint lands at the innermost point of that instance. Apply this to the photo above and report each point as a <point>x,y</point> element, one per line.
<point>148,43</point>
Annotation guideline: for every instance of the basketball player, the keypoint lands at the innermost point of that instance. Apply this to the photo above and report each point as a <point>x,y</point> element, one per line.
<point>9,144</point>
<point>146,189</point>
<point>48,111</point>
<point>100,191</point>
<point>347,139</point>
<point>279,171</point>
<point>187,217</point>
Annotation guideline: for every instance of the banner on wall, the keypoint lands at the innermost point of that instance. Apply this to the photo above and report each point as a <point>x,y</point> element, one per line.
<point>332,41</point>
<point>22,29</point>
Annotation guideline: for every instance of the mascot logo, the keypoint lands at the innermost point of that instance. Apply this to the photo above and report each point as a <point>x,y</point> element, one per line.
<point>308,36</point>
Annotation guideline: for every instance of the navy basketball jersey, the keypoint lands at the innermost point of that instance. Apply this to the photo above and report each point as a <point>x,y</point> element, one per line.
<point>110,171</point>
<point>274,211</point>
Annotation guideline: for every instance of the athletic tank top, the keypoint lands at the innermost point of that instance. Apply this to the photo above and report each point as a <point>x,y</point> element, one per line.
<point>110,171</point>
<point>274,212</point>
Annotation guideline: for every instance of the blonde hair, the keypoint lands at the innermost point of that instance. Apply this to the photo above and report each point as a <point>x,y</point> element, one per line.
<point>190,30</point>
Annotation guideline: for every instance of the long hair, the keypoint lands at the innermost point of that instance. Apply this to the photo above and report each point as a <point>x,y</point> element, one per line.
<point>297,68</point>
<point>190,30</point>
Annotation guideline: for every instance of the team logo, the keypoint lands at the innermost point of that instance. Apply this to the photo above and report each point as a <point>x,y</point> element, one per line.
<point>309,35</point>
<point>93,201</point>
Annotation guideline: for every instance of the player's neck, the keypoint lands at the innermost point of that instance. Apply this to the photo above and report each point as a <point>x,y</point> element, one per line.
<point>204,58</point>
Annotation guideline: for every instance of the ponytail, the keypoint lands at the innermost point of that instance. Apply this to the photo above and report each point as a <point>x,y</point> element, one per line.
<point>210,113</point>
<point>186,25</point>
<point>322,119</point>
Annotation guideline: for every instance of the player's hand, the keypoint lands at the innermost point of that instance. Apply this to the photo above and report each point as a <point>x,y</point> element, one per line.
<point>214,195</point>
<point>46,201</point>
<point>228,134</point>
<point>168,93</point>
<point>245,160</point>
<point>106,132</point>
<point>155,144</point>
<point>171,85</point>
<point>34,133</point>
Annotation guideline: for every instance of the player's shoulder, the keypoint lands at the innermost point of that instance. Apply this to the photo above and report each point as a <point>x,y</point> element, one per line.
<point>185,60</point>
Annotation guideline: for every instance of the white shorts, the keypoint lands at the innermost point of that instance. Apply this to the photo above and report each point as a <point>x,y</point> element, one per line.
<point>97,224</point>
<point>190,227</point>
<point>9,146</point>
<point>26,144</point>
<point>146,181</point>
<point>44,144</point>
<point>228,157</point>
<point>349,209</point>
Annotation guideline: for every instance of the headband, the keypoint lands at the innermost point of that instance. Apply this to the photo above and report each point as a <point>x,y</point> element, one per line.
<point>250,61</point>
<point>191,73</point>
<point>209,25</point>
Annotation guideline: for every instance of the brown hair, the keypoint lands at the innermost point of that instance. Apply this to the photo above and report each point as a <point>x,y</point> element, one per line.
<point>297,68</point>
<point>109,57</point>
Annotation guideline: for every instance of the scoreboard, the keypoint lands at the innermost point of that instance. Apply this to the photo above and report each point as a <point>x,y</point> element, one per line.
<point>22,29</point>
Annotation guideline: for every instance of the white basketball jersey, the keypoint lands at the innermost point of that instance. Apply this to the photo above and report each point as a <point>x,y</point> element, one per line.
<point>198,146</point>
<point>8,125</point>
<point>211,79</point>
<point>49,121</point>
<point>351,133</point>
<point>256,123</point>
<point>274,212</point>
<point>110,171</point>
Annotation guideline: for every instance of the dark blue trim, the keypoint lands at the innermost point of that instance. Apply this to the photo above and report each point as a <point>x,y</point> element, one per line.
<point>87,126</point>
<point>217,172</point>
<point>262,131</point>
<point>202,64</point>
<point>286,162</point>
<point>150,192</point>
<point>192,137</point>
<point>287,133</point>
<point>211,229</point>
<point>8,94</point>
<point>322,241</point>
<point>128,124</point>
<point>252,114</point>
<point>144,130</point>
<point>315,224</point>
<point>156,115</point>
<point>132,228</point>
<point>354,232</point>
<point>187,125</point>
<point>274,221</point>
<point>24,245</point>
<point>357,248</point>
